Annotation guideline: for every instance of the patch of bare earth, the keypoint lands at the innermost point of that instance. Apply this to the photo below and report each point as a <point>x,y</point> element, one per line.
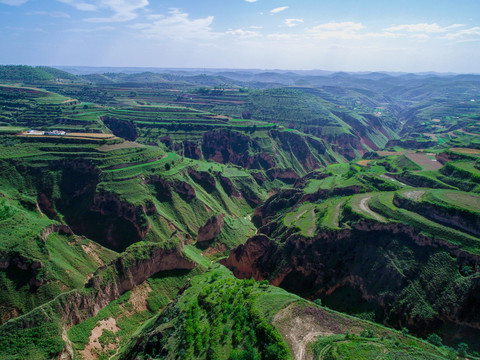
<point>336,213</point>
<point>365,208</point>
<point>90,250</point>
<point>139,296</point>
<point>208,208</point>
<point>69,101</point>
<point>433,136</point>
<point>122,145</point>
<point>218,248</point>
<point>312,227</point>
<point>271,193</point>
<point>415,195</point>
<point>468,133</point>
<point>67,352</point>
<point>363,162</point>
<point>386,177</point>
<point>388,153</point>
<point>466,151</point>
<point>91,135</point>
<point>424,161</point>
<point>94,348</point>
<point>301,325</point>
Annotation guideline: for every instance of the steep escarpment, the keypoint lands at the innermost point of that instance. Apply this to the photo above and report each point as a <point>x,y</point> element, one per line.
<point>265,150</point>
<point>204,179</point>
<point>384,272</point>
<point>456,217</point>
<point>310,152</point>
<point>121,128</point>
<point>17,263</point>
<point>290,198</point>
<point>165,188</point>
<point>111,222</point>
<point>131,269</point>
<point>101,216</point>
<point>226,146</point>
<point>410,144</point>
<point>211,229</point>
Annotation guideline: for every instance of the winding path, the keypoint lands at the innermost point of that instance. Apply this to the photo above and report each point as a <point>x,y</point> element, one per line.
<point>364,207</point>
<point>310,337</point>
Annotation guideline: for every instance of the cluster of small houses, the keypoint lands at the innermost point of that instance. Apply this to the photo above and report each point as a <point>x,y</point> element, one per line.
<point>51,132</point>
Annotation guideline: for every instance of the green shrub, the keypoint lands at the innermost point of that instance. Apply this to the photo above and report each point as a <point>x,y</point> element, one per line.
<point>434,339</point>
<point>367,333</point>
<point>462,349</point>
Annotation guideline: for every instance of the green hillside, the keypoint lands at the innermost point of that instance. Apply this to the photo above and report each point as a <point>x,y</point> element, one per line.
<point>238,215</point>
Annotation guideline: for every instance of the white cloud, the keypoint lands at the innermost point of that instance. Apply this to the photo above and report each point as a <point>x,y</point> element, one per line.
<point>423,28</point>
<point>179,26</point>
<point>243,33</point>
<point>13,2</point>
<point>251,1</point>
<point>279,9</point>
<point>79,5</point>
<point>280,37</point>
<point>293,22</point>
<point>339,26</point>
<point>340,30</point>
<point>465,34</point>
<point>91,29</point>
<point>123,10</point>
<point>383,34</point>
<point>423,31</point>
<point>54,14</point>
<point>139,26</point>
<point>421,36</point>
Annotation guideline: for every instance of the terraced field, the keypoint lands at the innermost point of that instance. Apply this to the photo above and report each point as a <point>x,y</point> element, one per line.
<point>333,211</point>
<point>304,218</point>
<point>427,162</point>
<point>116,246</point>
<point>360,205</point>
<point>384,204</point>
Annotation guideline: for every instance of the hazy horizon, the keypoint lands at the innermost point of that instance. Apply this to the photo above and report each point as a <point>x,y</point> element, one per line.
<point>369,36</point>
<point>326,72</point>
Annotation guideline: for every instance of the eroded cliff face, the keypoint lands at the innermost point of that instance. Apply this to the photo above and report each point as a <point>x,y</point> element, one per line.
<point>225,146</point>
<point>250,152</point>
<point>111,222</point>
<point>388,270</point>
<point>454,217</point>
<point>288,176</point>
<point>211,229</point>
<point>288,198</point>
<point>101,216</point>
<point>191,150</point>
<point>164,188</point>
<point>110,281</point>
<point>25,270</point>
<point>343,144</point>
<point>303,148</point>
<point>117,278</point>
<point>411,144</point>
<point>204,179</point>
<point>121,128</point>
<point>16,262</point>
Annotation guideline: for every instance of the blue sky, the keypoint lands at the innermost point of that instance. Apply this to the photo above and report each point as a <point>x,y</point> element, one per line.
<point>347,35</point>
